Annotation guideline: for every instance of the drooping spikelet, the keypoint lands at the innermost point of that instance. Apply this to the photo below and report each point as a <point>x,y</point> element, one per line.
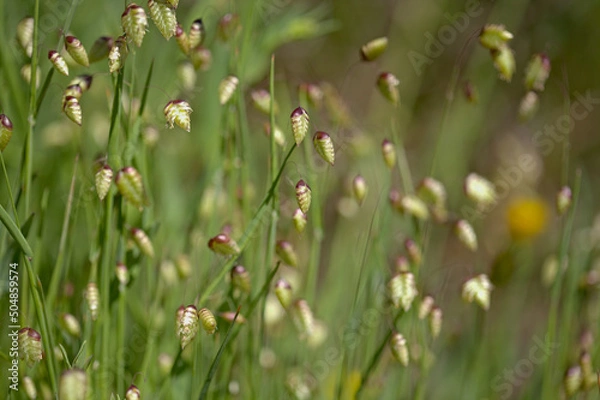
<point>178,112</point>
<point>182,39</point>
<point>197,34</point>
<point>76,50</point>
<point>283,291</point>
<point>229,26</point>
<point>118,54</point>
<point>388,87</point>
<point>6,131</point>
<point>25,35</point>
<point>389,153</point>
<point>415,254</point>
<point>187,324</point>
<point>279,136</point>
<point>164,18</point>
<point>26,74</point>
<point>300,220</point>
<point>261,99</point>
<point>100,48</point>
<point>435,321</point>
<point>537,72</point>
<point>72,109</point>
<point>201,58</point>
<point>303,317</point>
<point>494,36</point>
<point>425,307</point>
<point>564,198</point>
<point>373,49</point>
<point>402,290</point>
<point>324,146</point>
<point>504,61</point>
<point>529,105</point>
<point>143,242</point>
<point>312,93</point>
<point>134,23</point>
<point>409,205</point>
<point>130,184</point>
<point>359,188</point>
<point>303,196</point>
<point>466,234</point>
<point>103,180</point>
<point>223,244</point>
<point>399,348</point>
<point>133,393</point>
<point>300,123</point>
<point>478,289</point>
<point>58,62</point>
<point>73,385</point>
<point>479,190</point>
<point>29,387</point>
<point>240,278</point>
<point>70,324</point>
<point>573,380</point>
<point>209,323</point>
<point>30,346</point>
<point>92,297</point>
<point>186,73</point>
<point>227,88</point>
<point>83,81</point>
<point>286,252</point>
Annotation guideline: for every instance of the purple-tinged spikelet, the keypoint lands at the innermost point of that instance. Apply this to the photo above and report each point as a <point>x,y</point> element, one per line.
<point>178,112</point>
<point>58,62</point>
<point>324,146</point>
<point>76,50</point>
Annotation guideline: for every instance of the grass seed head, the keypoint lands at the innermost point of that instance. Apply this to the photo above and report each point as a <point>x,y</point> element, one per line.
<point>103,180</point>
<point>373,49</point>
<point>187,75</point>
<point>70,324</point>
<point>26,74</point>
<point>303,317</point>
<point>58,62</point>
<point>92,297</point>
<point>25,35</point>
<point>183,266</point>
<point>131,186</point>
<point>432,192</point>
<point>573,380</point>
<point>143,242</point>
<point>229,26</point>
<point>481,191</point>
<point>564,197</point>
<point>402,290</point>
<point>425,307</point>
<point>227,88</point>
<point>389,153</point>
<point>197,33</point>
<point>300,124</point>
<point>494,36</point>
<point>414,252</point>
<point>312,93</point>
<point>283,291</point>
<point>435,321</point>
<point>399,348</point>
<point>359,188</point>
<point>182,39</point>
<point>134,23</point>
<point>173,3</point>
<point>73,385</point>
<point>76,50</point>
<point>30,346</point>
<point>261,99</point>
<point>178,112</point>
<point>117,55</point>
<point>201,58</point>
<point>504,61</point>
<point>187,324</point>
<point>122,273</point>
<point>528,106</point>
<point>279,136</point>
<point>6,131</point>
<point>72,90</point>
<point>466,234</point>
<point>388,87</point>
<point>83,81</point>
<point>72,109</point>
<point>402,264</point>
<point>209,323</point>
<point>590,377</point>
<point>303,196</point>
<point>230,315</point>
<point>29,387</point>
<point>324,147</point>
<point>164,18</point>
<point>286,252</point>
<point>224,245</point>
<point>478,289</point>
<point>133,393</point>
<point>409,205</point>
<point>101,48</point>
<point>537,72</point>
<point>240,278</point>
<point>300,220</point>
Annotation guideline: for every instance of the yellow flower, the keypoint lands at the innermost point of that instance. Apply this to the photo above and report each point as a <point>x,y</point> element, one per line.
<point>526,218</point>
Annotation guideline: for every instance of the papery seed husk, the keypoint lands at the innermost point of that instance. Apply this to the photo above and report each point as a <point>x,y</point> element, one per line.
<point>223,244</point>
<point>466,234</point>
<point>25,35</point>
<point>300,220</point>
<point>164,17</point>
<point>286,252</point>
<point>504,61</point>
<point>478,289</point>
<point>494,36</point>
<point>30,346</point>
<point>240,278</point>
<point>227,88</point>
<point>58,62</point>
<point>283,291</point>
<point>300,124</point>
<point>100,48</point>
<point>388,86</point>
<point>479,190</point>
<point>399,348</point>
<point>435,321</point>
<point>72,109</point>
<point>83,81</point>
<point>324,146</point>
<point>92,296</point>
<point>537,72</point>
<point>6,131</point>
<point>373,49</point>
<point>76,50</point>
<point>130,184</point>
<point>103,180</point>
<point>262,101</point>
<point>182,39</point>
<point>72,90</point>
<point>201,57</point>
<point>389,153</point>
<point>197,33</point>
<point>133,393</point>
<point>178,112</point>
<point>73,385</point>
<point>143,242</point>
<point>303,317</point>
<point>187,324</point>
<point>29,387</point>
<point>134,23</point>
<point>425,307</point>
<point>359,188</point>
<point>209,323</point>
<point>402,290</point>
<point>117,55</point>
<point>303,196</point>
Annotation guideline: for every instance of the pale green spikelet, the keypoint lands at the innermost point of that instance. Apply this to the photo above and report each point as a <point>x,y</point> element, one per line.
<point>478,289</point>
<point>134,23</point>
<point>72,109</point>
<point>283,291</point>
<point>374,49</point>
<point>466,234</point>
<point>76,50</point>
<point>227,88</point>
<point>300,124</point>
<point>30,346</point>
<point>178,112</point>
<point>101,48</point>
<point>494,36</point>
<point>130,184</point>
<point>117,55</point>
<point>187,324</point>
<point>58,62</point>
<point>303,196</point>
<point>240,278</point>
<point>402,290</point>
<point>197,34</point>
<point>537,72</point>
<point>143,242</point>
<point>103,180</point>
<point>300,220</point>
<point>324,146</point>
<point>286,252</point>
<point>209,323</point>
<point>73,385</point>
<point>92,297</point>
<point>399,348</point>
<point>6,131</point>
<point>164,17</point>
<point>388,87</point>
<point>223,244</point>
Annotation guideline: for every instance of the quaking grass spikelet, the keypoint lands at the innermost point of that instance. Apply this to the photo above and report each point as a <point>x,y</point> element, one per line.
<point>197,34</point>
<point>388,87</point>
<point>435,321</point>
<point>504,61</point>
<point>529,105</point>
<point>286,252</point>
<point>201,58</point>
<point>178,112</point>
<point>133,393</point>
<point>359,188</point>
<point>389,153</point>
<point>409,205</point>
<point>73,385</point>
<point>100,48</point>
<point>300,123</point>
<point>399,348</point>
<point>30,346</point>
<point>303,196</point>
<point>564,198</point>
<point>300,220</point>
<point>261,99</point>
<point>134,23</point>
<point>70,324</point>
<point>83,81</point>
<point>466,234</point>
<point>374,49</point>
<point>130,184</point>
<point>283,291</point>
<point>6,131</point>
<point>117,55</point>
<point>324,146</point>
<point>279,136</point>
<point>182,39</point>
<point>29,387</point>
<point>58,62</point>
<point>209,323</point>
<point>26,74</point>
<point>415,255</point>
<point>478,289</point>
<point>240,278</point>
<point>103,180</point>
<point>164,17</point>
<point>72,109</point>
<point>143,242</point>
<point>303,317</point>
<point>92,297</point>
<point>425,307</point>
<point>227,88</point>
<point>478,189</point>
<point>187,324</point>
<point>76,50</point>
<point>494,36</point>
<point>25,35</point>
<point>573,380</point>
<point>402,290</point>
<point>224,245</point>
<point>312,93</point>
<point>537,72</point>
